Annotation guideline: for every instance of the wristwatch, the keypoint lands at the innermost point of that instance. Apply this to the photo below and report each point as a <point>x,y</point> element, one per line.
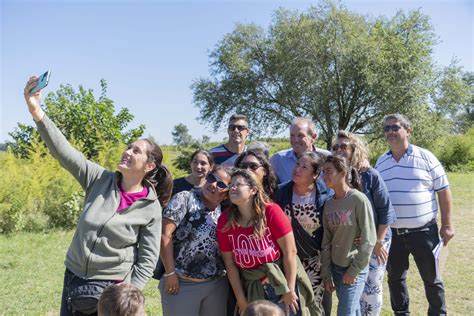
<point>381,242</point>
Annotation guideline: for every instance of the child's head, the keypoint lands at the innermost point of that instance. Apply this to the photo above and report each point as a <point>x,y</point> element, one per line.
<point>263,308</point>
<point>121,300</point>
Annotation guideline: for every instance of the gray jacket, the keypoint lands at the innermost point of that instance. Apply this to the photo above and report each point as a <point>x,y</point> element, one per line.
<point>107,245</point>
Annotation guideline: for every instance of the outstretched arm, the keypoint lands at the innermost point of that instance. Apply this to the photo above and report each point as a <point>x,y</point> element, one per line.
<point>33,99</point>
<point>70,158</point>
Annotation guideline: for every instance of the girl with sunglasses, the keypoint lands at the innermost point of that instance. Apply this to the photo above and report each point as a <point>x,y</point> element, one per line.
<point>255,161</point>
<point>302,199</point>
<point>259,251</point>
<point>355,151</point>
<point>194,282</point>
<point>201,163</point>
<point>346,216</point>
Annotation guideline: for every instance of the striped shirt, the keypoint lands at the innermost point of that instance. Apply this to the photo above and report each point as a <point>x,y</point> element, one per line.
<point>223,156</point>
<point>412,183</point>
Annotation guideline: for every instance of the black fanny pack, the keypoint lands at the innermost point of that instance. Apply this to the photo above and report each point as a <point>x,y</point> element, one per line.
<point>83,295</point>
<point>307,245</point>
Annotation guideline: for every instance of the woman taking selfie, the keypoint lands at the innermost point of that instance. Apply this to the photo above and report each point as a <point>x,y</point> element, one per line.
<point>194,282</point>
<point>255,161</point>
<point>201,163</point>
<point>258,247</point>
<point>346,216</point>
<point>355,151</point>
<point>302,199</point>
<point>118,233</point>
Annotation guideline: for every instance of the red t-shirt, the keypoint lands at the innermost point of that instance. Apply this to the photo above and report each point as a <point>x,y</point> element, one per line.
<point>249,252</point>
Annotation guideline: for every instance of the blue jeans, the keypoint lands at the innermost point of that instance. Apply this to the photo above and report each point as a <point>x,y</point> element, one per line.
<point>271,296</point>
<point>348,295</point>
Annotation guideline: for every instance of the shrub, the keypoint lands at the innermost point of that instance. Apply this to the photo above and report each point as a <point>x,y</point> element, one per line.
<point>456,152</point>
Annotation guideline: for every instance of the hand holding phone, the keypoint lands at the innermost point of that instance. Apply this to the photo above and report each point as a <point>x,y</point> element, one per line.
<point>42,82</point>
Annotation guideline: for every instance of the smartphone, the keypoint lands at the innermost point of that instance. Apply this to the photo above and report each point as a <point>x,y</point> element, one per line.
<point>42,82</point>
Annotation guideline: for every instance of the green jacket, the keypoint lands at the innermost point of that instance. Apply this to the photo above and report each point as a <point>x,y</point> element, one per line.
<point>274,272</point>
<point>107,245</point>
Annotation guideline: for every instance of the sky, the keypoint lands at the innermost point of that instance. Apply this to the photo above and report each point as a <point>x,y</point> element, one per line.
<point>150,52</point>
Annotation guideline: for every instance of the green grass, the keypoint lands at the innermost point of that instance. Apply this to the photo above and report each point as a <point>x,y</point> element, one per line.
<point>458,274</point>
<point>32,267</point>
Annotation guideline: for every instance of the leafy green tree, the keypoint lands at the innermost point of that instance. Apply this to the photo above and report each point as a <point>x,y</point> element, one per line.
<point>343,69</point>
<point>181,136</point>
<point>453,96</point>
<point>467,114</point>
<point>83,118</point>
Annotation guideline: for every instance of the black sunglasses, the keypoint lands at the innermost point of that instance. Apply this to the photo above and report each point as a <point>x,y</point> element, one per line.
<point>342,146</point>
<point>221,185</point>
<point>238,127</point>
<point>249,165</point>
<point>394,127</point>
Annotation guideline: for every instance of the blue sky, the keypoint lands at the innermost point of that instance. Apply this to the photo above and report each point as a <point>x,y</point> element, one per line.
<point>151,51</point>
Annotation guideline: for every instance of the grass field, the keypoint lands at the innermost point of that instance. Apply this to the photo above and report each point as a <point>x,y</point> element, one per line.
<point>32,267</point>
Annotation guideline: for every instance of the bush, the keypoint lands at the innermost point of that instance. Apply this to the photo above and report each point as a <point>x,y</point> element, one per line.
<point>456,152</point>
<point>35,192</point>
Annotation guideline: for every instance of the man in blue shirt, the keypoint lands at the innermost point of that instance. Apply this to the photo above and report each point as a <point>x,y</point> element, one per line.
<point>414,177</point>
<point>302,138</point>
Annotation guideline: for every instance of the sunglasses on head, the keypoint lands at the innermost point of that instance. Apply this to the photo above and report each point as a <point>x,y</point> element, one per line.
<point>394,127</point>
<point>238,127</point>
<point>342,146</point>
<point>221,185</point>
<point>249,165</point>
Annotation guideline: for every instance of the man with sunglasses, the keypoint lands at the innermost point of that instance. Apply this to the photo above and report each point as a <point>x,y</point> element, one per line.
<point>238,130</point>
<point>302,139</point>
<point>413,175</point>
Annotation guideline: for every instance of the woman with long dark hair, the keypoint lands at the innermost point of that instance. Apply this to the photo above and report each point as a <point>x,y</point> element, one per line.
<point>346,216</point>
<point>117,238</point>
<point>256,162</point>
<point>355,150</point>
<point>258,247</point>
<point>302,199</point>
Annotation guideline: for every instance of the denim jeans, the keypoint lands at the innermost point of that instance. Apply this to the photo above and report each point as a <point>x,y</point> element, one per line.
<point>420,244</point>
<point>348,295</point>
<point>271,296</point>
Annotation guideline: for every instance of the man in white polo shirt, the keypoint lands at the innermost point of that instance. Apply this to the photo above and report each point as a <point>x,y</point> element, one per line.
<point>413,175</point>
<point>302,138</point>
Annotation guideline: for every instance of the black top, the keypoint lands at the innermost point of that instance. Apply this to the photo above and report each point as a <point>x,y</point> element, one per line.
<point>180,185</point>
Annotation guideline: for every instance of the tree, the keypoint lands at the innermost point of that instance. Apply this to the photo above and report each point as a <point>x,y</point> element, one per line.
<point>344,70</point>
<point>205,139</point>
<point>466,116</point>
<point>181,136</point>
<point>453,96</point>
<point>81,117</point>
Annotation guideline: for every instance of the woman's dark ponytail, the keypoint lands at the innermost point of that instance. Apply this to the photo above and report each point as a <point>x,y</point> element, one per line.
<point>163,184</point>
<point>160,176</point>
